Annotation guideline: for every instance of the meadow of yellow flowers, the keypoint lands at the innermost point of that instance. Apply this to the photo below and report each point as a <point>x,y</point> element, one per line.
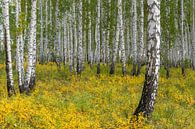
<point>63,100</point>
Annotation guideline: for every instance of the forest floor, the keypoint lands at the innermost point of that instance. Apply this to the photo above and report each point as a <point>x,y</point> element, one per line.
<point>62,100</point>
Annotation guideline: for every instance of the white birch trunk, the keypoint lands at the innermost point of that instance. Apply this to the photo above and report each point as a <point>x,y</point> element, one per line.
<point>68,41</point>
<point>80,44</point>
<point>108,47</point>
<point>19,46</point>
<point>84,42</point>
<point>98,36</point>
<point>75,36</point>
<point>108,34</point>
<point>65,39</point>
<point>57,45</point>
<point>115,48</point>
<point>46,31</point>
<point>103,34</point>
<point>71,42</point>
<point>7,43</point>
<point>89,34</point>
<point>149,93</point>
<point>128,44</point>
<point>134,38</point>
<point>103,46</point>
<point>182,40</point>
<point>122,42</point>
<point>41,33</point>
<point>26,15</point>
<point>193,40</point>
<point>141,40</point>
<point>31,50</point>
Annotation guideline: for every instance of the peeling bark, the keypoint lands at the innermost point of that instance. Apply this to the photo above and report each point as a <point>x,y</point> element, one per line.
<point>149,93</point>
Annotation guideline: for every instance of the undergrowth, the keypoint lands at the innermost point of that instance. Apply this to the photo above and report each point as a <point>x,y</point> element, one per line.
<point>64,100</point>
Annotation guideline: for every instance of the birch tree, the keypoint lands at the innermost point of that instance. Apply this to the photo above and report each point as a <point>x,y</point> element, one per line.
<point>19,46</point>
<point>103,33</point>
<point>65,38</point>
<point>75,35</point>
<point>134,38</point>
<point>71,41</point>
<point>98,37</point>
<point>149,93</point>
<point>80,47</point>
<point>7,44</point>
<point>89,34</point>
<point>30,74</point>
<point>122,42</point>
<point>108,33</point>
<point>115,48</point>
<point>46,31</point>
<point>41,33</point>
<point>57,42</point>
<point>141,39</point>
<point>193,39</point>
<point>182,40</point>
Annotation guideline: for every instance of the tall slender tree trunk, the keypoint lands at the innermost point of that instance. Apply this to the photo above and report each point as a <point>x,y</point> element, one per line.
<point>57,43</point>
<point>30,74</point>
<point>19,47</point>
<point>89,34</point>
<point>65,38</point>
<point>115,48</point>
<point>182,41</point>
<point>84,41</point>
<point>193,39</point>
<point>167,42</point>
<point>26,15</point>
<point>103,34</point>
<point>108,47</point>
<point>108,34</point>
<point>128,43</point>
<point>134,38</point>
<point>149,93</point>
<point>71,24</point>
<point>177,41</point>
<point>46,32</point>
<point>33,74</point>
<point>122,42</point>
<point>141,40</point>
<point>7,43</point>
<point>50,32</point>
<point>41,33</point>
<point>80,45</point>
<point>98,37</point>
<point>69,44</point>
<point>75,35</point>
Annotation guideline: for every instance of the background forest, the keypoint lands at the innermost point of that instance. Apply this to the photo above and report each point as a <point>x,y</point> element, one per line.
<point>86,64</point>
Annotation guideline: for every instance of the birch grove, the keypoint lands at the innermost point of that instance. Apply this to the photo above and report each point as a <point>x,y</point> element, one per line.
<point>119,40</point>
<point>104,35</point>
